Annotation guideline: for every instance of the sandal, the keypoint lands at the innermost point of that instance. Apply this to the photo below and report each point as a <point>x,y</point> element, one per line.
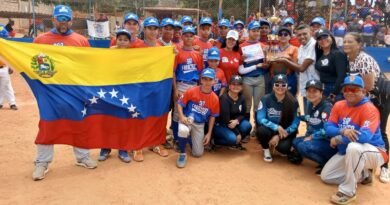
<point>160,151</point>
<point>138,156</point>
<point>341,198</point>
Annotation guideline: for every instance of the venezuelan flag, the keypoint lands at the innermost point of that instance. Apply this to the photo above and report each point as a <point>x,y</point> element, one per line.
<point>94,98</point>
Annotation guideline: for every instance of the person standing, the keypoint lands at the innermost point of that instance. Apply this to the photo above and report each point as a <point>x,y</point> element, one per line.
<point>331,64</point>
<point>230,56</point>
<point>60,35</point>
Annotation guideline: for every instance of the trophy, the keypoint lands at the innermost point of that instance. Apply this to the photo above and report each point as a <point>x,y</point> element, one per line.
<point>273,40</point>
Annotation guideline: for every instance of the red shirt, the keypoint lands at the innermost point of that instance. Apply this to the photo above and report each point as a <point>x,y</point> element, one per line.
<point>220,81</point>
<point>188,65</point>
<point>201,105</point>
<point>142,44</point>
<point>204,47</point>
<point>73,39</point>
<point>229,63</point>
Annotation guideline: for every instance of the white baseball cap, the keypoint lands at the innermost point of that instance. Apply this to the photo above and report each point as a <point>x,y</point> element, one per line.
<point>232,34</point>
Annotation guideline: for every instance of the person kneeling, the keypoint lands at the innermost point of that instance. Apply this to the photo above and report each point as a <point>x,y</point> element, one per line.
<point>354,127</point>
<point>315,144</point>
<point>232,126</point>
<point>197,106</point>
<point>277,119</point>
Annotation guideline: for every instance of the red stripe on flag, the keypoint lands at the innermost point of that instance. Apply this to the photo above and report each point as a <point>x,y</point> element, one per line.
<point>102,131</point>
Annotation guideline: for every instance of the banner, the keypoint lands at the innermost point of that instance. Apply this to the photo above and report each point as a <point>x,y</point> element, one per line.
<point>98,29</point>
<point>96,98</point>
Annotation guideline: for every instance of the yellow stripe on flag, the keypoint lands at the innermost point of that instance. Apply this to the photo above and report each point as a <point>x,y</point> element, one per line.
<point>89,66</point>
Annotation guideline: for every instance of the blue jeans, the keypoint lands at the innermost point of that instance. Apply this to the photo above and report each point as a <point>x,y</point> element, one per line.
<point>315,150</point>
<point>223,135</point>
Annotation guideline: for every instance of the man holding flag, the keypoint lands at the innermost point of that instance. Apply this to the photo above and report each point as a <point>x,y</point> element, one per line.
<point>61,35</point>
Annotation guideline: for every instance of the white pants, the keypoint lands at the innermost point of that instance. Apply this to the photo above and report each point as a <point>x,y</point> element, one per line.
<point>6,90</point>
<point>196,132</point>
<point>349,169</point>
<point>45,154</point>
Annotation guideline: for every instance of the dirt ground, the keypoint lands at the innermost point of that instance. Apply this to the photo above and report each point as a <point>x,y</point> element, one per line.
<point>222,177</point>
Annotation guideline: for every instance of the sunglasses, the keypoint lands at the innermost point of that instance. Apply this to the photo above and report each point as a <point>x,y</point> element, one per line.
<point>283,34</point>
<point>351,89</point>
<point>280,85</point>
<point>62,19</point>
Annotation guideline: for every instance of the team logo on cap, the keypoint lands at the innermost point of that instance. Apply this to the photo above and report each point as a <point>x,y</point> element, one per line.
<point>43,65</point>
<point>214,53</point>
<point>256,23</point>
<point>312,82</point>
<point>169,21</point>
<point>63,9</point>
<point>152,21</point>
<point>131,16</point>
<point>207,72</point>
<point>280,77</point>
<point>351,78</point>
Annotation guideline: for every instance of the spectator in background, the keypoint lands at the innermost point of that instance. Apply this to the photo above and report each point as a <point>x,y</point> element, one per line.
<point>369,28</point>
<point>102,18</point>
<point>232,20</point>
<point>377,13</point>
<point>380,36</point>
<point>387,38</point>
<point>117,26</point>
<point>301,11</point>
<point>9,27</point>
<point>283,12</point>
<point>352,13</point>
<point>312,4</point>
<point>251,17</point>
<point>387,14</point>
<point>365,10</point>
<point>339,30</point>
<point>355,26</point>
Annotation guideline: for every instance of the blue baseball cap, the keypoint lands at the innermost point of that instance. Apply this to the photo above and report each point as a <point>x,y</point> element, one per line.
<point>177,24</point>
<point>167,22</point>
<point>238,22</point>
<point>205,21</point>
<point>318,20</point>
<point>62,11</point>
<point>151,21</point>
<point>208,73</point>
<point>264,22</point>
<point>253,25</point>
<point>123,32</point>
<point>213,54</point>
<point>224,22</point>
<point>3,31</point>
<point>288,20</point>
<point>186,19</point>
<point>353,79</point>
<point>188,29</point>
<point>131,16</point>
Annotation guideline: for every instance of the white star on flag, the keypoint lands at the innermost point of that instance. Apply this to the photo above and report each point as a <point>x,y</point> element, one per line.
<point>84,111</point>
<point>114,93</point>
<point>124,100</point>
<point>132,108</point>
<point>135,115</point>
<point>93,100</point>
<point>101,93</point>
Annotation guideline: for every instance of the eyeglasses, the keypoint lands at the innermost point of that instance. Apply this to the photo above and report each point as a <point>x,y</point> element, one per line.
<point>62,19</point>
<point>280,85</point>
<point>351,89</point>
<point>283,34</point>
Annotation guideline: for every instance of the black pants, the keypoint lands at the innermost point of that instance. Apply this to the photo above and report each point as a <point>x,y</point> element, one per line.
<point>384,111</point>
<point>264,135</point>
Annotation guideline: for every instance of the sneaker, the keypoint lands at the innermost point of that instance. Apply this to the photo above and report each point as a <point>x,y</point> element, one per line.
<point>181,160</point>
<point>104,154</point>
<point>167,145</point>
<point>87,163</point>
<point>368,179</point>
<point>39,172</point>
<point>14,107</point>
<point>384,176</point>
<point>124,156</point>
<point>267,155</point>
<point>341,198</point>
<point>160,151</point>
<point>238,147</point>
<point>294,157</point>
<point>138,156</point>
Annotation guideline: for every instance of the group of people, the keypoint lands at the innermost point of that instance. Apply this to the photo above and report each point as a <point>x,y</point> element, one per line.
<point>217,83</point>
